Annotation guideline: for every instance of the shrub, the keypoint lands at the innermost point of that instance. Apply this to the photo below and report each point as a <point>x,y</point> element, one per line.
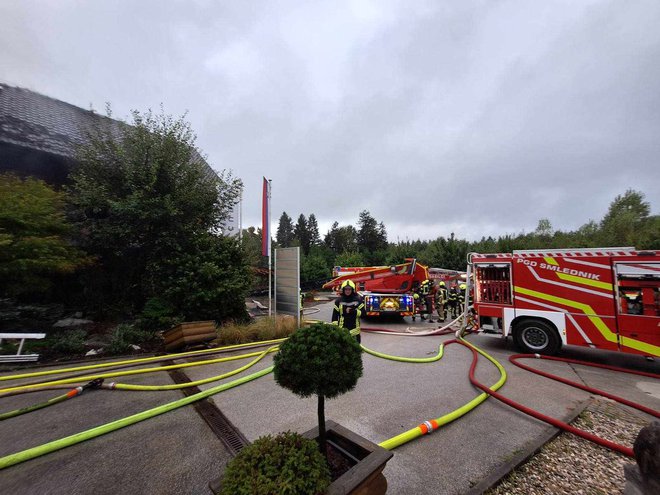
<point>286,464</point>
<point>322,360</point>
<point>69,342</point>
<point>124,335</point>
<point>157,315</point>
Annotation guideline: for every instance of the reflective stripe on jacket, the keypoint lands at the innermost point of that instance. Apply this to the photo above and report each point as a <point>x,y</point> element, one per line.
<point>347,311</point>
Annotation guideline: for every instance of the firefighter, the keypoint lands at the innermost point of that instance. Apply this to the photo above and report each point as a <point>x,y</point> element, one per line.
<point>302,304</point>
<point>441,301</point>
<point>462,289</point>
<point>418,300</point>
<point>416,305</point>
<point>452,300</point>
<point>429,298</point>
<point>348,308</point>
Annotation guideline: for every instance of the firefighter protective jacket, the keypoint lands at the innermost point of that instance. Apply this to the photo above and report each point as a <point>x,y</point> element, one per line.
<point>347,311</point>
<point>441,296</point>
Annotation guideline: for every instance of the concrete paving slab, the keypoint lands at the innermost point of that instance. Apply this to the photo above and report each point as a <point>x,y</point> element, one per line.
<point>172,453</point>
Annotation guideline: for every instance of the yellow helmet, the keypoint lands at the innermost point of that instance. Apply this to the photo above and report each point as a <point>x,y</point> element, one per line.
<point>348,283</point>
<point>442,284</point>
<point>462,286</point>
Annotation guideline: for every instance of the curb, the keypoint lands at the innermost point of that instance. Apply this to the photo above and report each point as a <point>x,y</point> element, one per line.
<point>530,449</point>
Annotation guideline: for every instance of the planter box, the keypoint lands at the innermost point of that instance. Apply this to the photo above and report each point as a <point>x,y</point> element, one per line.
<point>364,478</point>
<point>194,332</point>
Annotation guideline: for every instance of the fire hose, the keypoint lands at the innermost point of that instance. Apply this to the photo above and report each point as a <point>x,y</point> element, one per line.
<point>4,392</point>
<point>98,383</point>
<point>431,425</point>
<point>550,420</point>
<point>75,392</point>
<point>136,362</point>
<point>422,429</point>
<point>635,405</point>
<point>61,443</point>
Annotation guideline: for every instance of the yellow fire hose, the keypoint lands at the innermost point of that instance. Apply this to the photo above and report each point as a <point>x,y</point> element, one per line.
<point>433,424</point>
<point>46,385</point>
<point>424,428</point>
<point>138,361</point>
<point>46,448</point>
<point>125,386</point>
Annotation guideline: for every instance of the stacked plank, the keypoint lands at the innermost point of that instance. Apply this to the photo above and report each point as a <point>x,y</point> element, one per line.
<point>189,333</point>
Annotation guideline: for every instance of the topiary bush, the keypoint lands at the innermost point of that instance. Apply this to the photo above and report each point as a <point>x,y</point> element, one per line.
<point>322,360</point>
<point>287,464</point>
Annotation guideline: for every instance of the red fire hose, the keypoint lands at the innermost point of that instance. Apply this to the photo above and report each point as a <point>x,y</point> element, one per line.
<point>554,422</point>
<point>592,390</point>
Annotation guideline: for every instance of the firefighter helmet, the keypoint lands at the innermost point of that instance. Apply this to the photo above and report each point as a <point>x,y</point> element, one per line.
<point>462,286</point>
<point>442,284</point>
<point>348,283</point>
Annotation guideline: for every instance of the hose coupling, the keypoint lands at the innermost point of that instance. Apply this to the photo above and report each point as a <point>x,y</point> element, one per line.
<point>428,426</point>
<point>96,383</point>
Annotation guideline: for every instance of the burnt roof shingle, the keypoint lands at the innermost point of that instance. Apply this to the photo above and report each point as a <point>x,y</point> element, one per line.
<point>36,121</point>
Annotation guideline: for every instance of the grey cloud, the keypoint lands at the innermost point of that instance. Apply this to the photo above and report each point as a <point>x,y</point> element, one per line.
<point>472,117</point>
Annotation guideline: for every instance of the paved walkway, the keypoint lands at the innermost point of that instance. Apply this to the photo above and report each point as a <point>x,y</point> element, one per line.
<point>176,453</point>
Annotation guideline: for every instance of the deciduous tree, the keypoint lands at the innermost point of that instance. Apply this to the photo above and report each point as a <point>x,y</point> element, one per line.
<point>35,245</point>
<point>146,205</point>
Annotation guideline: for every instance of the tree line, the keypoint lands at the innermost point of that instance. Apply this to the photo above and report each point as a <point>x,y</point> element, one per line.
<point>628,222</point>
<point>137,233</point>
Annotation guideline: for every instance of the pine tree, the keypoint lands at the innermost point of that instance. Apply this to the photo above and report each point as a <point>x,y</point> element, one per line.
<point>284,235</point>
<point>371,238</point>
<point>341,239</point>
<point>313,229</point>
<point>301,233</point>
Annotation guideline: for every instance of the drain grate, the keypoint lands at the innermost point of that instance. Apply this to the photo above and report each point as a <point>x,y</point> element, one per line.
<point>228,434</point>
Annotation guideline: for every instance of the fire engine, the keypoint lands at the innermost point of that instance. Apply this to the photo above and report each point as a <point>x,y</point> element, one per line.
<point>386,289</point>
<point>605,298</point>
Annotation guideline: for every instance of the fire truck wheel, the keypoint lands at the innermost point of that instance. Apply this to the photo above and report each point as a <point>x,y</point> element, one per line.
<point>536,336</point>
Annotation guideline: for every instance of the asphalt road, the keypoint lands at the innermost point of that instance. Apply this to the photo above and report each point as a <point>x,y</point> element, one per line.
<point>177,453</point>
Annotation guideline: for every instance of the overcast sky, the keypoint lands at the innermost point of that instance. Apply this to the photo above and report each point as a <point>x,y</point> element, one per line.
<point>473,117</point>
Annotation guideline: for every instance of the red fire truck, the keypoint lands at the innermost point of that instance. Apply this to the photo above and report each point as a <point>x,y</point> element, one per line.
<point>606,298</point>
<point>386,289</point>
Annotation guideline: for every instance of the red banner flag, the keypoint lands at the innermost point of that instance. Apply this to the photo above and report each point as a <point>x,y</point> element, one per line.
<point>265,219</point>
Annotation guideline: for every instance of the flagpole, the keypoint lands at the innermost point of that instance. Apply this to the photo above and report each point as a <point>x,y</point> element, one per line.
<point>270,297</point>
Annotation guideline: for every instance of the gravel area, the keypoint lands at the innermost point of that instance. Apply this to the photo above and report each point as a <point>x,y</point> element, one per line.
<point>571,465</point>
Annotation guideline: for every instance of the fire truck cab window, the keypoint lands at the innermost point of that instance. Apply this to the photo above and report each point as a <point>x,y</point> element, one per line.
<point>632,300</point>
<point>639,289</point>
<point>493,283</point>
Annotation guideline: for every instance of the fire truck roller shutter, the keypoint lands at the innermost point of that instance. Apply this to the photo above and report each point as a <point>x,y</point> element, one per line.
<point>536,336</point>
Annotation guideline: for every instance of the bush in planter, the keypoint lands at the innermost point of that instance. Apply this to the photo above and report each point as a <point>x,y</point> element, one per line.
<point>322,360</point>
<point>286,464</point>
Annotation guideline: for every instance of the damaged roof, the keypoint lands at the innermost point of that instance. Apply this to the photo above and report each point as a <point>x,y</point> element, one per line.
<point>38,122</point>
